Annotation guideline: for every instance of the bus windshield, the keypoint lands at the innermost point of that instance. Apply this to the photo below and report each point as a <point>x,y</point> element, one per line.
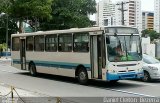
<point>124,48</point>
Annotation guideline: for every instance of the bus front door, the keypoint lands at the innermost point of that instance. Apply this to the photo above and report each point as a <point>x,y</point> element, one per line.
<point>96,62</point>
<point>23,54</point>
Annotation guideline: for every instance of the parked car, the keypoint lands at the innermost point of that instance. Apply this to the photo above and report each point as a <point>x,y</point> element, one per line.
<point>151,68</point>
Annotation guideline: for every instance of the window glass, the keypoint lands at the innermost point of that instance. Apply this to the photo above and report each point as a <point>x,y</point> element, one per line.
<point>51,43</point>
<point>15,44</point>
<point>81,42</point>
<point>122,30</point>
<point>65,43</point>
<point>124,48</point>
<point>39,43</point>
<point>149,59</point>
<point>29,42</point>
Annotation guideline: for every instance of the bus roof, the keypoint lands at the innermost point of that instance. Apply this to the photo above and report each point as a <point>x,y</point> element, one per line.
<point>115,26</point>
<point>72,30</point>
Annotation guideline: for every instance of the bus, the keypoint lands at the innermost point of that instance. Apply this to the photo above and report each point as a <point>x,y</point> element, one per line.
<point>100,53</point>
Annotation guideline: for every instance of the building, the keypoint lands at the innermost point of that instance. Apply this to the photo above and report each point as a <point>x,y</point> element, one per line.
<point>157,15</point>
<point>147,20</point>
<point>105,13</point>
<point>132,15</point>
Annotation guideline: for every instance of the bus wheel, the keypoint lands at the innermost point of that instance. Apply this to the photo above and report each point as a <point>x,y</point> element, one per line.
<point>147,77</point>
<point>82,76</point>
<point>32,69</point>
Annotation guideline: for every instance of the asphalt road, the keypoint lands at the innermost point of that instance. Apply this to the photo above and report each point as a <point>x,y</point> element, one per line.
<point>59,86</point>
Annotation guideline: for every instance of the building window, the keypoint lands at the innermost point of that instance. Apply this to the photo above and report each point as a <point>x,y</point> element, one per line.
<point>65,43</point>
<point>81,42</point>
<point>51,42</point>
<point>15,44</point>
<point>29,42</point>
<point>39,43</point>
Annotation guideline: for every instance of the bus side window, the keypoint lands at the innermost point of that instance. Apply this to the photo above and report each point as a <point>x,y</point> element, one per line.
<point>65,43</point>
<point>81,42</point>
<point>15,44</point>
<point>39,43</point>
<point>29,42</point>
<point>51,43</point>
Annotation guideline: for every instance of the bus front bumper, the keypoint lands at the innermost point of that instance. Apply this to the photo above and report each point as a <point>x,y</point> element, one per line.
<point>127,75</point>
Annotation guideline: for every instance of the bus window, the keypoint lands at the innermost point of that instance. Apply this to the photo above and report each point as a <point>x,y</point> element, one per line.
<point>39,43</point>
<point>15,44</point>
<point>51,43</point>
<point>81,42</point>
<point>29,42</point>
<point>65,43</point>
<point>124,48</point>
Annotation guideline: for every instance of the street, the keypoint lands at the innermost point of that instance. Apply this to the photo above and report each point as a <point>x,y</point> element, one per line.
<point>68,87</point>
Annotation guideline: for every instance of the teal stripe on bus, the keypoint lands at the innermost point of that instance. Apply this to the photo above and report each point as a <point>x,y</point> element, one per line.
<point>65,65</point>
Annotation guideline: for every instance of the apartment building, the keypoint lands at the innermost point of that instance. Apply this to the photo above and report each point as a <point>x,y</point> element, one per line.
<point>132,15</point>
<point>105,13</point>
<point>147,20</point>
<point>157,15</point>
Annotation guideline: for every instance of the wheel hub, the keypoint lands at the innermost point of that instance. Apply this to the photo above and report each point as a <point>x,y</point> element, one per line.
<point>82,76</point>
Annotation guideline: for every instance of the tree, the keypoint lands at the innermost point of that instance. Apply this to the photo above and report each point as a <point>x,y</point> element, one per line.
<point>151,33</point>
<point>69,14</point>
<point>27,9</point>
<point>4,5</point>
<point>12,28</point>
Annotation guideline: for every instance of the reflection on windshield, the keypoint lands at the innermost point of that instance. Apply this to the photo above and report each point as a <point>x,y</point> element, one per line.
<point>124,48</point>
<point>149,59</point>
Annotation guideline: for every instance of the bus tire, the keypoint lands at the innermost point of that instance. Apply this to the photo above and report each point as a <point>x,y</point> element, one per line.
<point>82,76</point>
<point>32,69</point>
<point>147,77</point>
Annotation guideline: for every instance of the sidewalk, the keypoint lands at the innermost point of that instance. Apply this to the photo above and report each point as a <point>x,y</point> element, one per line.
<point>10,94</point>
<point>5,61</point>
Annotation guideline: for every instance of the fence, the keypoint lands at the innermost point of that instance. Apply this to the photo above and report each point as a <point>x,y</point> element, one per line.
<point>5,54</point>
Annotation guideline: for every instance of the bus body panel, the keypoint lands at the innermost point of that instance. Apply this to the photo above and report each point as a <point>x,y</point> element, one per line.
<point>59,63</point>
<point>124,70</point>
<point>16,59</point>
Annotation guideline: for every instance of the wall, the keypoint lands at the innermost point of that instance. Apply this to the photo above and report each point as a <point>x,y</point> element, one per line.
<point>147,47</point>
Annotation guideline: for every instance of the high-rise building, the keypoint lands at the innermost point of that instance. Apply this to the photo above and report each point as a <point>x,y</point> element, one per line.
<point>147,20</point>
<point>105,13</point>
<point>132,15</point>
<point>108,13</point>
<point>157,15</point>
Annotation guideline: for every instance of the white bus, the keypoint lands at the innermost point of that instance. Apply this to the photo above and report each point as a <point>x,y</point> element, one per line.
<point>102,53</point>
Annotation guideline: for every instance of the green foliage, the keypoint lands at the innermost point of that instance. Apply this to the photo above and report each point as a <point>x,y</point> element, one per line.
<point>51,14</point>
<point>26,9</point>
<point>31,8</point>
<point>4,5</point>
<point>151,33</point>
<point>3,46</point>
<point>70,14</point>
<point>12,28</point>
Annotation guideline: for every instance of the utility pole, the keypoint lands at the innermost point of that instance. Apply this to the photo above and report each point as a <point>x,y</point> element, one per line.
<point>122,10</point>
<point>6,35</point>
